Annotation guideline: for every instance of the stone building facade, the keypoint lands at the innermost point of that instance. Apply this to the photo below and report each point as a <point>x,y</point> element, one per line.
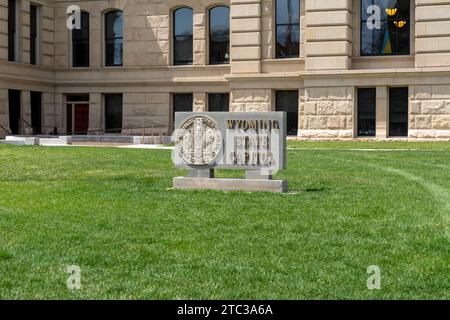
<point>333,81</point>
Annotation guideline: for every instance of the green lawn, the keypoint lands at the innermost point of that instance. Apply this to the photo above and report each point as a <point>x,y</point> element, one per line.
<point>113,213</point>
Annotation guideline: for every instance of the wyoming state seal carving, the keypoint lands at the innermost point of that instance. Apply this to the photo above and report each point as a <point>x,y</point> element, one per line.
<point>199,141</point>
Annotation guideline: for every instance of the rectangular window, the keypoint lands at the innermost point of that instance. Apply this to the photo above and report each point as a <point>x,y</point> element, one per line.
<point>287,101</point>
<point>34,47</point>
<point>182,102</point>
<point>398,112</point>
<point>14,111</point>
<point>367,100</point>
<point>385,27</point>
<point>287,28</point>
<point>36,112</point>
<point>113,113</point>
<point>218,102</point>
<point>80,43</point>
<point>69,119</point>
<point>12,30</point>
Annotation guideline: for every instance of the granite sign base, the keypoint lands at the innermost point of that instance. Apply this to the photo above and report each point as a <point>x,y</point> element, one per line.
<point>246,185</point>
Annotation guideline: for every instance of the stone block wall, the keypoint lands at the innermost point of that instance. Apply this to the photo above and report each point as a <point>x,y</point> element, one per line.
<point>47,34</point>
<point>96,118</point>
<point>328,34</point>
<point>430,111</point>
<point>24,32</point>
<point>4,111</point>
<point>432,33</point>
<point>147,31</point>
<point>52,112</point>
<point>45,37</point>
<point>3,29</point>
<point>251,100</point>
<point>199,103</point>
<point>149,110</point>
<point>246,36</point>
<point>326,112</point>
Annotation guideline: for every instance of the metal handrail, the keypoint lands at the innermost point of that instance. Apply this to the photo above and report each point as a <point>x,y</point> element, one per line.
<point>6,130</point>
<point>27,123</point>
<point>149,131</point>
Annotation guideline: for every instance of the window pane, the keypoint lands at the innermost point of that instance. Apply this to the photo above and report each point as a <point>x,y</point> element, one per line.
<point>288,11</point>
<point>33,34</point>
<point>218,102</point>
<point>287,28</point>
<point>114,52</point>
<point>366,112</point>
<point>393,35</point>
<point>398,112</point>
<point>182,103</point>
<point>114,38</point>
<point>80,43</point>
<point>113,113</point>
<point>36,111</point>
<point>14,110</point>
<point>12,17</point>
<point>219,38</point>
<point>182,34</point>
<point>78,98</point>
<point>287,101</point>
<point>288,41</point>
<point>183,50</point>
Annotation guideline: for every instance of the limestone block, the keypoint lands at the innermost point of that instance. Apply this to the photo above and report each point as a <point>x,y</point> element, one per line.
<point>336,122</point>
<point>310,108</point>
<point>441,122</point>
<point>343,107</point>
<point>325,107</point>
<point>244,39</point>
<point>433,107</point>
<point>246,25</point>
<point>422,122</point>
<point>261,96</point>
<point>415,107</point>
<point>317,122</point>
<point>422,92</point>
<point>320,93</point>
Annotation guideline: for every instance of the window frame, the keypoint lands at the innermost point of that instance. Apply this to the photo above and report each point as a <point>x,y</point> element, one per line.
<point>105,100</point>
<point>275,33</point>
<point>72,48</point>
<point>173,37</point>
<point>276,108</point>
<point>172,106</point>
<point>390,112</point>
<point>35,39</point>
<point>357,34</point>
<point>210,94</point>
<point>357,113</point>
<point>105,40</point>
<point>209,35</point>
<point>13,51</point>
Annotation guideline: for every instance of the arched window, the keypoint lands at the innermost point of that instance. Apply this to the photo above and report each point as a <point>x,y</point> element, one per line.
<point>80,43</point>
<point>287,28</point>
<point>182,36</point>
<point>219,35</point>
<point>114,38</point>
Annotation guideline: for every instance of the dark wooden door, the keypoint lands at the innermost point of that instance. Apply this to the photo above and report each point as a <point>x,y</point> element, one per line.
<point>81,119</point>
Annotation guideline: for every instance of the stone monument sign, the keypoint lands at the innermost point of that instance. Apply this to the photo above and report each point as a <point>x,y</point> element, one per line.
<point>254,142</point>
